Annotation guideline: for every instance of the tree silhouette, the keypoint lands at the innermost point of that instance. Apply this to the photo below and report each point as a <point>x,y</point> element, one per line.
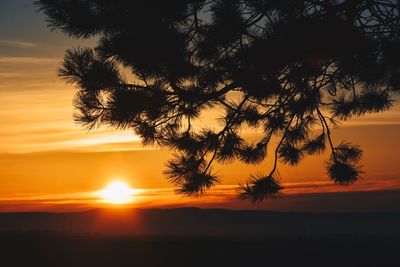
<point>282,68</point>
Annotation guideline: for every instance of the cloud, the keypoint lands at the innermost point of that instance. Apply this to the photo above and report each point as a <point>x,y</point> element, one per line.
<point>28,60</point>
<point>17,43</point>
<point>225,195</point>
<point>10,74</point>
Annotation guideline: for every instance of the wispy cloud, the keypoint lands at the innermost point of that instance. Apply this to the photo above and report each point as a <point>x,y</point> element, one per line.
<point>166,197</point>
<point>17,43</point>
<point>10,74</point>
<point>28,60</point>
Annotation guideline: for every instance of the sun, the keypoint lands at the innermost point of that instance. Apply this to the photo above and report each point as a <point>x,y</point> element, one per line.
<point>117,192</point>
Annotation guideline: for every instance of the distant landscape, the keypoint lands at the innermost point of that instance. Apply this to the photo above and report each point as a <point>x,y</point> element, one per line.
<point>202,222</point>
<point>198,237</point>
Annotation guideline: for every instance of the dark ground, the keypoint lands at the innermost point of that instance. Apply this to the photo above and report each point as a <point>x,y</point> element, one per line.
<point>198,237</point>
<point>50,249</point>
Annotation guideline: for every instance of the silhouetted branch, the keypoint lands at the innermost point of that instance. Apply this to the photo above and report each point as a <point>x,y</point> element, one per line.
<point>276,67</point>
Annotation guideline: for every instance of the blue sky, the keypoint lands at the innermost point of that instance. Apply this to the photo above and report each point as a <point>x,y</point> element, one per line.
<point>21,22</point>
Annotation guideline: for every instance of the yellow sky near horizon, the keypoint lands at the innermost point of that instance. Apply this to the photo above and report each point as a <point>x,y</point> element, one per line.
<point>36,112</point>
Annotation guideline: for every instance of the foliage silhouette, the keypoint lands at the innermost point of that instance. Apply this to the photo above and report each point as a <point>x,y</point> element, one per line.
<point>280,67</point>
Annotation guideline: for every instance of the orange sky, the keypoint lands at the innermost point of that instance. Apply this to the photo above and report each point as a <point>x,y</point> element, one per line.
<point>47,161</point>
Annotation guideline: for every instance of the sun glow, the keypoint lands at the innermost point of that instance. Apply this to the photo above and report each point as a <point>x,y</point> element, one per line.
<point>117,192</point>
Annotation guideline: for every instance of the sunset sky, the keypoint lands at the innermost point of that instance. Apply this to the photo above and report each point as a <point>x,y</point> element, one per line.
<point>47,162</point>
